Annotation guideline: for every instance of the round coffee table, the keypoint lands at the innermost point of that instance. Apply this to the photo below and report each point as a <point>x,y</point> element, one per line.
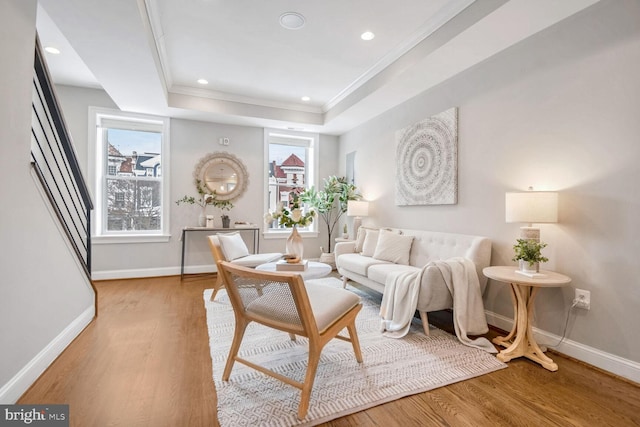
<point>315,270</point>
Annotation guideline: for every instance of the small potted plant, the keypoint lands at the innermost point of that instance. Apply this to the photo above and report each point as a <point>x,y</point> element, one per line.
<point>223,205</point>
<point>529,255</point>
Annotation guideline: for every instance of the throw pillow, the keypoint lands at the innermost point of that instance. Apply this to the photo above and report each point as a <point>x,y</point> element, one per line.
<point>370,242</point>
<point>393,247</point>
<point>362,232</point>
<point>233,246</point>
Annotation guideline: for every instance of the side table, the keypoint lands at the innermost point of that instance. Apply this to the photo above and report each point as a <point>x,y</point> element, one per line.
<point>520,341</point>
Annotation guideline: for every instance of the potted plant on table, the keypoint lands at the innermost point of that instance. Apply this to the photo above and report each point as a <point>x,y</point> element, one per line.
<point>223,205</point>
<point>203,200</point>
<point>529,255</point>
<point>292,216</point>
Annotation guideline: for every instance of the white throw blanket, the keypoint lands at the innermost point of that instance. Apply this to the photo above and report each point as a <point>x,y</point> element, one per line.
<point>400,300</point>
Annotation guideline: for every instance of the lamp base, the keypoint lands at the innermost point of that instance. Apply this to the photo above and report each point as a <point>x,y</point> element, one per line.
<point>530,233</point>
<point>357,222</point>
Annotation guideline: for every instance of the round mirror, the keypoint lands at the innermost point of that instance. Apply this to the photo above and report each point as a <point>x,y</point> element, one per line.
<point>223,174</point>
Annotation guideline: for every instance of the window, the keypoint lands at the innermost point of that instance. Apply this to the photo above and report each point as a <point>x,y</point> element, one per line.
<point>290,168</point>
<point>129,158</point>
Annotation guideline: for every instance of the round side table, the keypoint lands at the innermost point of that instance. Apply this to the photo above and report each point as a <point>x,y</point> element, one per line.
<point>520,341</point>
<point>315,270</point>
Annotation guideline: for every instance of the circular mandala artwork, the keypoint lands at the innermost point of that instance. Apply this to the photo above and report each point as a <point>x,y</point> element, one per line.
<point>427,161</point>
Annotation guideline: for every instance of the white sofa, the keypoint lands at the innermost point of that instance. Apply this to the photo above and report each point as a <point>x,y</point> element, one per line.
<point>426,246</point>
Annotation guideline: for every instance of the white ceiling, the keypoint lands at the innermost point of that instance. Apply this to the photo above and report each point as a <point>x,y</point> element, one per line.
<point>148,54</point>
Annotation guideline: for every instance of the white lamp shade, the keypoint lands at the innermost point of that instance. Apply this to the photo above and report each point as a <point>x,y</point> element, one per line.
<point>357,208</point>
<point>531,207</point>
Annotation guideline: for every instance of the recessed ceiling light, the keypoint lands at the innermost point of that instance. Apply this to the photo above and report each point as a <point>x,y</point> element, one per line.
<point>52,50</point>
<point>203,81</point>
<point>292,20</point>
<point>367,35</point>
<point>306,98</point>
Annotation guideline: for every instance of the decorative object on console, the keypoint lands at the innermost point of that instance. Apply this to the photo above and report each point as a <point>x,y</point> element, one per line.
<point>202,201</point>
<point>531,207</point>
<point>331,202</point>
<point>427,161</point>
<point>357,209</point>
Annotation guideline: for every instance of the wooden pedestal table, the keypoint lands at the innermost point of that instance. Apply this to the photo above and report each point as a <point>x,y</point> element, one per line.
<point>520,341</point>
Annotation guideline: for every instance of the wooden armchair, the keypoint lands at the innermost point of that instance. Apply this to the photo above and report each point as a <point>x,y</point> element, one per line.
<point>237,254</point>
<point>283,301</point>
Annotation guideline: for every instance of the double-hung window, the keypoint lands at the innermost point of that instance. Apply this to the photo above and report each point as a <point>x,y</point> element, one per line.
<point>291,167</point>
<point>129,159</point>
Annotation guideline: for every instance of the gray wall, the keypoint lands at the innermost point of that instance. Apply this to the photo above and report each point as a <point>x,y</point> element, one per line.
<point>558,112</point>
<point>190,140</point>
<point>45,299</point>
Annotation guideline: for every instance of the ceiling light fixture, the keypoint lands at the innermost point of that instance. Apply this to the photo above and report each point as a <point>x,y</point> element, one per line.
<point>52,50</point>
<point>367,35</point>
<point>292,20</point>
<point>306,99</point>
<point>203,81</point>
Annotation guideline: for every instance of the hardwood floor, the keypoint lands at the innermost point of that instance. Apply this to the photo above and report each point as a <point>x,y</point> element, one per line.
<point>145,362</point>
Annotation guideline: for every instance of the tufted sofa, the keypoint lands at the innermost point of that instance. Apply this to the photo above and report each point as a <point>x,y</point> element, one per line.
<point>370,259</point>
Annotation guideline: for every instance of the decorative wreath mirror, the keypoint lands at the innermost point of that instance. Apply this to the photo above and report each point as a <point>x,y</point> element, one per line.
<point>222,174</point>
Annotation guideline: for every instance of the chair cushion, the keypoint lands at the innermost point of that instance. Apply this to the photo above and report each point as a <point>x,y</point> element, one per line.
<point>328,305</point>
<point>358,264</point>
<point>255,260</point>
<point>233,246</point>
<point>393,247</point>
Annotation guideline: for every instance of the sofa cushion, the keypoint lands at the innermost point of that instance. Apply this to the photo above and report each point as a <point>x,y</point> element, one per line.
<point>358,264</point>
<point>370,242</point>
<point>379,272</point>
<point>393,247</point>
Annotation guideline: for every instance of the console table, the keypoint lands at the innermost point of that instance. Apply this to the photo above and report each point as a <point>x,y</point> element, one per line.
<point>186,230</point>
<point>520,341</point>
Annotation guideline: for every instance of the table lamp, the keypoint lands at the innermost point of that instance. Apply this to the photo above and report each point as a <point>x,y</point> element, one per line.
<point>358,209</point>
<point>531,207</point>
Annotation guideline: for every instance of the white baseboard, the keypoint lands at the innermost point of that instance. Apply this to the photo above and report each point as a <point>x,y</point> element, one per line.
<point>609,362</point>
<point>151,272</point>
<point>11,391</point>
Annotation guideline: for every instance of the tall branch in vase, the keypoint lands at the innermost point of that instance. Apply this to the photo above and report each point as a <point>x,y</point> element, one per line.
<point>331,202</point>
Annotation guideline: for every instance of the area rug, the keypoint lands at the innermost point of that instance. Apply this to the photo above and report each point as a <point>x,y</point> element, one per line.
<point>392,368</point>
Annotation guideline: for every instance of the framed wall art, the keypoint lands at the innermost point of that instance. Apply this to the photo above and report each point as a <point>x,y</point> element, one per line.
<point>427,161</point>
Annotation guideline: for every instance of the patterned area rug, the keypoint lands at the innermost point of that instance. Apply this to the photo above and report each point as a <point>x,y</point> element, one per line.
<point>392,368</point>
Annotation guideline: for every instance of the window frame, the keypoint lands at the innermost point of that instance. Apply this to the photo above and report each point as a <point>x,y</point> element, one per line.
<point>297,138</point>
<point>99,168</point>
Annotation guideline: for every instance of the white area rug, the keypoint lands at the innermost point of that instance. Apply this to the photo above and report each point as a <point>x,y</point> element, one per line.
<point>392,368</point>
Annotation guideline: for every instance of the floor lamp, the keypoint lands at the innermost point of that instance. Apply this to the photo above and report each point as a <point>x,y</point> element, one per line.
<point>357,209</point>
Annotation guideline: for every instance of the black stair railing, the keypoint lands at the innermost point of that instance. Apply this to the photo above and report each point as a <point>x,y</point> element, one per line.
<point>54,162</point>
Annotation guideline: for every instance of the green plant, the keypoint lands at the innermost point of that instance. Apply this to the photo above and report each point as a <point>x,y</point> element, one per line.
<point>331,201</point>
<point>206,198</point>
<point>529,251</point>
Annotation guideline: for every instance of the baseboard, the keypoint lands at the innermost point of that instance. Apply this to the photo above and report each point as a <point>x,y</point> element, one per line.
<point>151,272</point>
<point>609,362</point>
<point>11,391</point>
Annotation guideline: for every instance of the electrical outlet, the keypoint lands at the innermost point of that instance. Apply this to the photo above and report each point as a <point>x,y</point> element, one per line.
<point>583,299</point>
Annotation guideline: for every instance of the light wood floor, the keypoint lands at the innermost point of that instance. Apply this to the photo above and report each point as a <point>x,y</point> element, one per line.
<point>145,362</point>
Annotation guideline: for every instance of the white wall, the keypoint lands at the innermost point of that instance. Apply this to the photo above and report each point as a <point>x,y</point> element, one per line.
<point>190,141</point>
<point>558,112</point>
<point>45,299</point>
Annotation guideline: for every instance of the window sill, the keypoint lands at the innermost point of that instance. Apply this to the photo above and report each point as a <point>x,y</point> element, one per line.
<point>285,233</point>
<point>134,238</point>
